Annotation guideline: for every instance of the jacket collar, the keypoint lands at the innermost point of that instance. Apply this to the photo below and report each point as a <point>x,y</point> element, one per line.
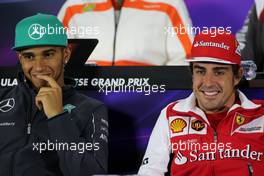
<point>68,89</point>
<point>69,82</point>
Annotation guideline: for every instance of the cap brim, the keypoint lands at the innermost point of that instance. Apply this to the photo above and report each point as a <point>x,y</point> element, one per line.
<point>208,59</point>
<point>19,48</point>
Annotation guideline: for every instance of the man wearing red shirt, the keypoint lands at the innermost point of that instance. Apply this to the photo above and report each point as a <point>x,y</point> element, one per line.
<point>216,130</point>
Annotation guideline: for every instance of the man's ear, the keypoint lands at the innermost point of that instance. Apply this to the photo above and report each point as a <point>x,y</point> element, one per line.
<point>66,54</point>
<point>18,56</point>
<point>239,76</point>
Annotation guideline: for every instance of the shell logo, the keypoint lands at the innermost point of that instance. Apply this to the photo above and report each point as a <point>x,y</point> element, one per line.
<point>177,125</point>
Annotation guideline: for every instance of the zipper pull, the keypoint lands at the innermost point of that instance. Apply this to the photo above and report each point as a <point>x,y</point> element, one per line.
<point>250,169</point>
<point>28,128</point>
<point>215,136</point>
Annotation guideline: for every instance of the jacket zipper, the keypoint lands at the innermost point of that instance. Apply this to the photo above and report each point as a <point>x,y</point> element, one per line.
<point>28,128</point>
<point>215,137</point>
<point>250,169</point>
<point>14,156</point>
<point>215,141</point>
<point>28,132</point>
<point>117,20</point>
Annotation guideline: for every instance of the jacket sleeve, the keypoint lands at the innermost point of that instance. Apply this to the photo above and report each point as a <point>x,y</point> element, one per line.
<point>157,156</point>
<point>250,38</point>
<point>88,141</point>
<point>179,36</point>
<point>246,36</point>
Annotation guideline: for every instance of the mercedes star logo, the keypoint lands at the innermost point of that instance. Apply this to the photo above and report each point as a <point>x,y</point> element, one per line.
<point>7,105</point>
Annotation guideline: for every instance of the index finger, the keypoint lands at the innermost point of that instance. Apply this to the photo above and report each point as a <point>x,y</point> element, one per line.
<point>50,80</point>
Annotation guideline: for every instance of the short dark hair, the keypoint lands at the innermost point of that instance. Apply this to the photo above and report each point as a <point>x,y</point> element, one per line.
<point>24,48</point>
<point>235,68</point>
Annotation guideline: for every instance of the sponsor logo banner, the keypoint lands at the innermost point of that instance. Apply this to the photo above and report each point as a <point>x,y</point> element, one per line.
<point>186,125</point>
